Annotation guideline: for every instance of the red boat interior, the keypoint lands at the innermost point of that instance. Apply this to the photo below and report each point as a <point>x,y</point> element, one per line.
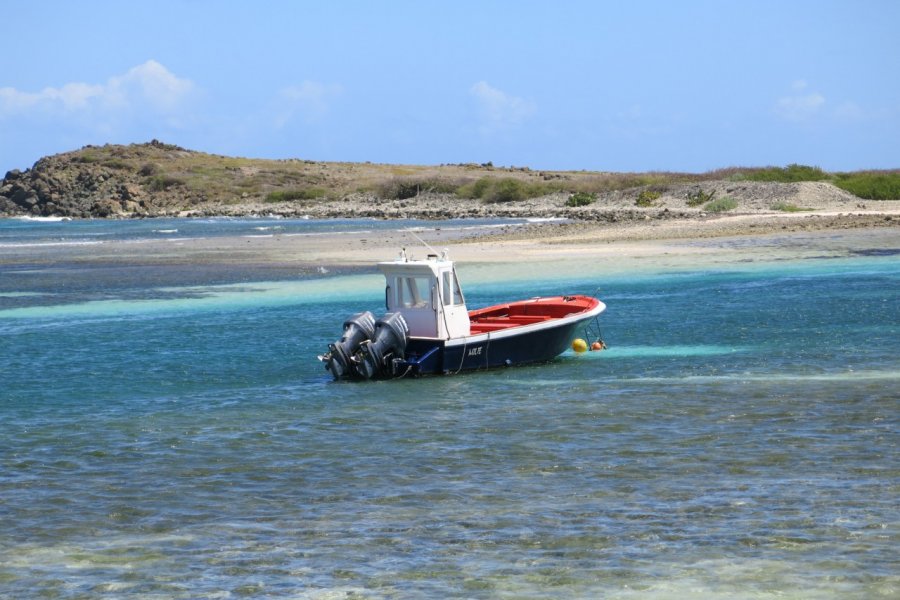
<point>527,312</point>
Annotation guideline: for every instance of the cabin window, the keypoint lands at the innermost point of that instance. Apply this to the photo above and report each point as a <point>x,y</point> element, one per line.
<point>414,292</point>
<point>452,292</point>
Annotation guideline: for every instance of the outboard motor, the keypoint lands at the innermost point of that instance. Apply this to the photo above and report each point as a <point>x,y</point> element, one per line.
<point>389,341</point>
<point>339,359</point>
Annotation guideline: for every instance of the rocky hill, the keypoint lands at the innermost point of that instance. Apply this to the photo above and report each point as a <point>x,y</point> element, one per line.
<point>157,179</point>
<point>151,179</point>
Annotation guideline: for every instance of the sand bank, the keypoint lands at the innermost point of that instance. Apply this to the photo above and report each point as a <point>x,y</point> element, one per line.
<point>563,247</point>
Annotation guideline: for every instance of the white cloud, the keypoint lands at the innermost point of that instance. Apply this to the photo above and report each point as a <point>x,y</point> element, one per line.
<point>70,97</point>
<point>146,86</point>
<point>804,104</point>
<point>311,101</point>
<point>498,109</point>
<point>153,83</point>
<point>799,105</point>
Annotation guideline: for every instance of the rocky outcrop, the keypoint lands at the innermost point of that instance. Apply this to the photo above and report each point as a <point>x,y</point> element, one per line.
<point>92,182</point>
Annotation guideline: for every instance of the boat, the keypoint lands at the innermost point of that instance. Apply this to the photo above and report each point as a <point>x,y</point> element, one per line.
<point>428,329</point>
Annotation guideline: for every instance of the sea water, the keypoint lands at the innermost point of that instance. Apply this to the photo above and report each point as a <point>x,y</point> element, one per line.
<point>166,438</point>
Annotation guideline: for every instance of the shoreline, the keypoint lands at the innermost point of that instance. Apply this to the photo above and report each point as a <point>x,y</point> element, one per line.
<point>545,245</point>
<point>669,231</point>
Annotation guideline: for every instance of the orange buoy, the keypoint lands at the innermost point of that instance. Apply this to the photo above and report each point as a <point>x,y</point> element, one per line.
<point>579,345</point>
<point>598,346</point>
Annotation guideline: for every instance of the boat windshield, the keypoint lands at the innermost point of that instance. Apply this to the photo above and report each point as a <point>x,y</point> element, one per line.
<point>414,292</point>
<point>452,292</point>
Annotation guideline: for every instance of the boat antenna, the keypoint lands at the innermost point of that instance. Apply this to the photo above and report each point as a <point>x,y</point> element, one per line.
<point>436,253</point>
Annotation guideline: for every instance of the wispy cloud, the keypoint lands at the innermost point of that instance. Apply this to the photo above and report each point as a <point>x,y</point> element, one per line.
<point>805,105</point>
<point>801,104</point>
<point>848,110</point>
<point>310,101</point>
<point>154,84</point>
<point>146,86</point>
<point>498,109</point>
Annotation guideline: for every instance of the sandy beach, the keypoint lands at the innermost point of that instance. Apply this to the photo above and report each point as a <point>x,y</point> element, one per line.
<point>563,247</point>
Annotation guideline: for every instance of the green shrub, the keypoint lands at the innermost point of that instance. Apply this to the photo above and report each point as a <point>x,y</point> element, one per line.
<point>160,183</point>
<point>720,205</point>
<point>401,188</point>
<point>475,189</point>
<point>788,207</point>
<point>789,174</point>
<point>871,185</point>
<point>699,197</point>
<point>654,180</point>
<point>301,194</point>
<point>396,189</point>
<point>117,164</point>
<point>581,199</point>
<point>87,158</point>
<point>148,169</point>
<point>647,198</point>
<point>506,190</point>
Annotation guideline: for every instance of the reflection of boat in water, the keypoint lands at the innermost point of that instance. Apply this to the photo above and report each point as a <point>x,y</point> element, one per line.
<point>428,329</point>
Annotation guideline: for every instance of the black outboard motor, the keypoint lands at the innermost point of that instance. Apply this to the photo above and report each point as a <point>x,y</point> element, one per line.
<point>357,329</point>
<point>389,341</point>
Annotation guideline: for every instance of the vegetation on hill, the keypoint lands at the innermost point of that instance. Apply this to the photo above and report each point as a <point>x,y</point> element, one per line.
<point>720,205</point>
<point>156,179</point>
<point>788,174</point>
<point>873,185</point>
<point>869,185</point>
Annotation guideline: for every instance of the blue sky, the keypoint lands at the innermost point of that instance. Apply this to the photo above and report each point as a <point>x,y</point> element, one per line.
<point>691,85</point>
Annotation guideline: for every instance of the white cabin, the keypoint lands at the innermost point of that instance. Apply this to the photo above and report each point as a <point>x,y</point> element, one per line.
<point>427,294</point>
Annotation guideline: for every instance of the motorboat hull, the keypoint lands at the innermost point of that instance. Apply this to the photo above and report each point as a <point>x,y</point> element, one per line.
<point>485,351</point>
<point>529,331</point>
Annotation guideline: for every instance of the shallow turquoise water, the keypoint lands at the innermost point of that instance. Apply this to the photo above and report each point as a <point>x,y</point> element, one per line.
<point>738,439</point>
